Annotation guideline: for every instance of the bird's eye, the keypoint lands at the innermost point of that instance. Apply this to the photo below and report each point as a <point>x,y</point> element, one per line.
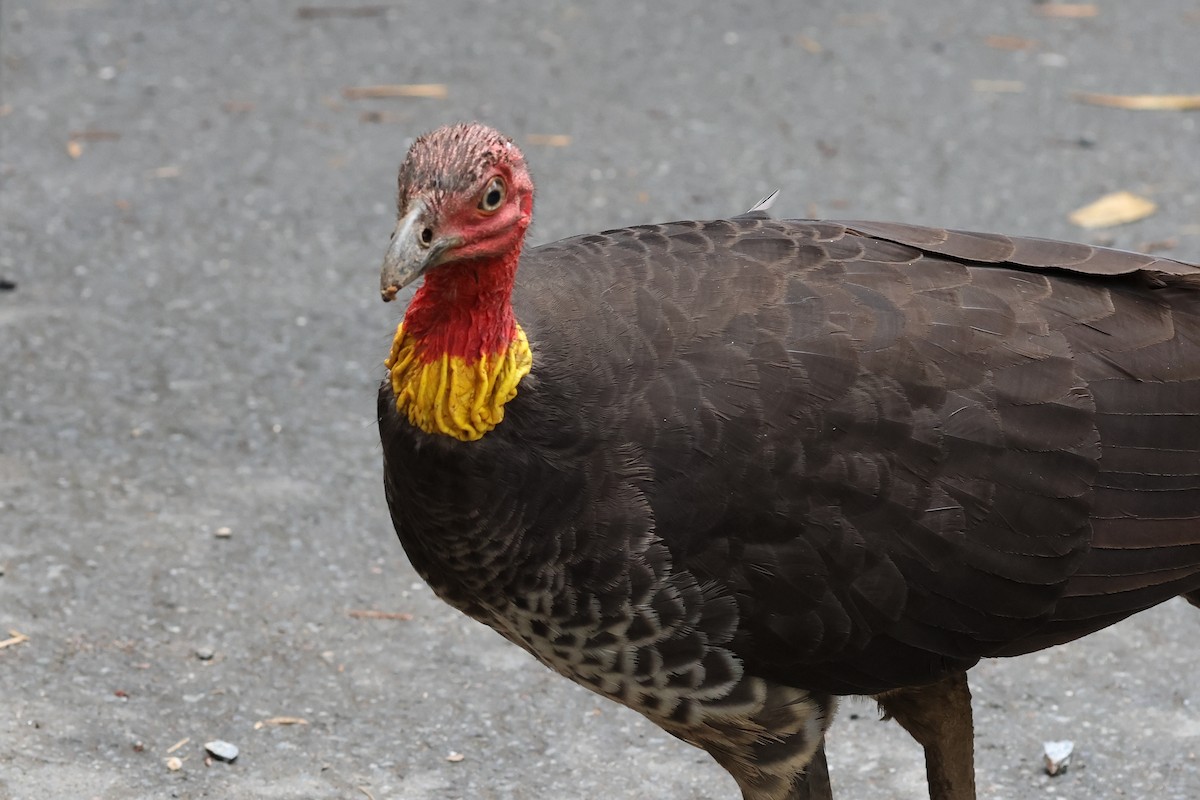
<point>493,196</point>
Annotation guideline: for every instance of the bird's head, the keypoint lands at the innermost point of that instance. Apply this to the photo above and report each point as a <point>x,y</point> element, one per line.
<point>465,202</point>
<point>465,195</point>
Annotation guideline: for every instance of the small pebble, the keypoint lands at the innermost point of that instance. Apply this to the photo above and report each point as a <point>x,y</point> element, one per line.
<point>455,757</point>
<point>221,750</point>
<point>174,764</point>
<point>205,653</point>
<point>1057,756</point>
<point>223,532</point>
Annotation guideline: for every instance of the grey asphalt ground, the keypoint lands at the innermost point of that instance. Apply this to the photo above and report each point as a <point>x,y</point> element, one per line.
<point>195,337</point>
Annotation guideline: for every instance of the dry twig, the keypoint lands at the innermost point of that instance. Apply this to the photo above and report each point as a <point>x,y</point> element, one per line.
<point>370,613</point>
<point>1066,10</point>
<point>436,91</point>
<point>1142,102</point>
<point>15,638</point>
<point>277,721</point>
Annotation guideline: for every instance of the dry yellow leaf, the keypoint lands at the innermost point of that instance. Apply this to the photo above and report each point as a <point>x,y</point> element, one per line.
<point>1066,10</point>
<point>1117,208</point>
<point>437,91</point>
<point>549,139</point>
<point>1142,102</point>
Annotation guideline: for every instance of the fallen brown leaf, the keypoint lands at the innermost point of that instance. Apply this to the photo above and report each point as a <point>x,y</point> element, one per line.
<point>549,139</point>
<point>437,91</point>
<point>1112,209</point>
<point>1142,102</point>
<point>370,613</point>
<point>1066,10</point>
<point>1010,43</point>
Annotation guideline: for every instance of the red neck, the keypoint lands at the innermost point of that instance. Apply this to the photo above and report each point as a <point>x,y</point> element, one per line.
<point>464,309</point>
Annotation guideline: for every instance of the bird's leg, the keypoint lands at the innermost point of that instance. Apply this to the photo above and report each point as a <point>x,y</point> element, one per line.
<point>939,717</point>
<point>774,746</point>
<point>814,783</point>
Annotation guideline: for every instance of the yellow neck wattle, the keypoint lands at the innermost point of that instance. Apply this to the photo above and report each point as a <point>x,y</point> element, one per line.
<point>450,396</point>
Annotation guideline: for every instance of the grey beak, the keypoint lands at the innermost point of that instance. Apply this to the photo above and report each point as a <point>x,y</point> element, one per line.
<point>410,253</point>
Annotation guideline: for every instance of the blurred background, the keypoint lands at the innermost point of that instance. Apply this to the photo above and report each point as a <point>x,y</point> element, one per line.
<point>194,202</point>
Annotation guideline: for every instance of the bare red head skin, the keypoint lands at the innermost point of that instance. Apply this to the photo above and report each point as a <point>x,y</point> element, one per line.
<point>465,202</point>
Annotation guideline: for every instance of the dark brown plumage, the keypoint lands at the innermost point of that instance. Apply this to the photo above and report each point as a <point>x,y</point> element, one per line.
<point>758,464</point>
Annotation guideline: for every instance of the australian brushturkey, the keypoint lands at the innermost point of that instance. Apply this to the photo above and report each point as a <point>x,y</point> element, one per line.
<point>722,472</point>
